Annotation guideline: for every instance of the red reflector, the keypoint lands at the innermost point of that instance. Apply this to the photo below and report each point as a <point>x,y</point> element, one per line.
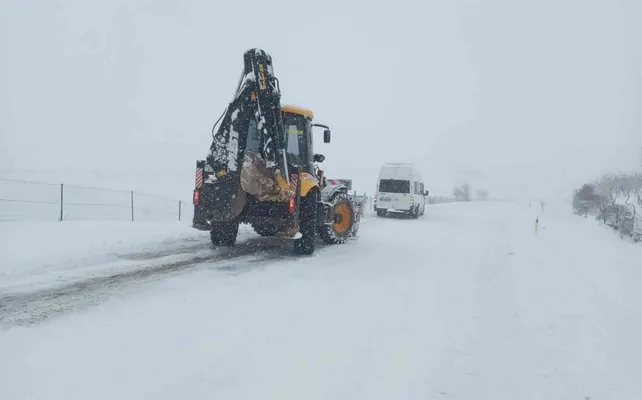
<point>292,205</point>
<point>197,197</point>
<point>199,178</point>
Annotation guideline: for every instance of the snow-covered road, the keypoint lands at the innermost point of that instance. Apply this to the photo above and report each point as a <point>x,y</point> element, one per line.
<point>468,302</point>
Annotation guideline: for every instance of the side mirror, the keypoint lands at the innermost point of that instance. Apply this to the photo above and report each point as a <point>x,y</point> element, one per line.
<point>427,193</point>
<point>318,158</point>
<point>326,136</point>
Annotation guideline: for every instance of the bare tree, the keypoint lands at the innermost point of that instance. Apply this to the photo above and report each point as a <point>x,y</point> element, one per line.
<point>620,188</point>
<point>462,193</point>
<point>637,187</point>
<point>610,188</point>
<point>613,197</point>
<point>466,191</point>
<point>482,195</point>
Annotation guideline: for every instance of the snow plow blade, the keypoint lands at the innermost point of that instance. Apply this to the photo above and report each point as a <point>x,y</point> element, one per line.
<point>359,203</point>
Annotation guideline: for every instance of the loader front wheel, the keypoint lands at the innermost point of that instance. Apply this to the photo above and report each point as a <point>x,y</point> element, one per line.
<point>307,224</point>
<point>224,233</point>
<point>342,223</point>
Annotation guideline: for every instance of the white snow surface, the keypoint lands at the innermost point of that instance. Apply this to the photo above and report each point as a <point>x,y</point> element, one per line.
<point>34,255</point>
<point>467,302</point>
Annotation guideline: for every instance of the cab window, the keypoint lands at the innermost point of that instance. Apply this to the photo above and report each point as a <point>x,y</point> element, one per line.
<point>296,130</point>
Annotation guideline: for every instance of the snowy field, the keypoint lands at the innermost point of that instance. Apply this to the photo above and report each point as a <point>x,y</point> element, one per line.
<point>468,302</point>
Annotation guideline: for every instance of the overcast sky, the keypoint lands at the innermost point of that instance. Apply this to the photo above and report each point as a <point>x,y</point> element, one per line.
<point>522,97</point>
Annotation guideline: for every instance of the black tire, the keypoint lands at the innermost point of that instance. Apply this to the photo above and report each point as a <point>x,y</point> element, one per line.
<point>307,224</point>
<point>339,231</point>
<point>381,213</point>
<point>224,233</point>
<point>414,213</point>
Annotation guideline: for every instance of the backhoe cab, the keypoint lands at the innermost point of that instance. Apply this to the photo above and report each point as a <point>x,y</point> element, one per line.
<point>262,170</point>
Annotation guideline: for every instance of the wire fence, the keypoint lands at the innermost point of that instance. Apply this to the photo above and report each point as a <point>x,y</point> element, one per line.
<point>31,200</point>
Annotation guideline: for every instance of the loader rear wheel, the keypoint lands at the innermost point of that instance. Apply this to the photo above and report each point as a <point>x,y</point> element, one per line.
<point>339,231</point>
<point>224,233</point>
<point>307,224</point>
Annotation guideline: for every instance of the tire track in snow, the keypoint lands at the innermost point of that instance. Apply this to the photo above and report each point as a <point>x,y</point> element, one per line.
<point>40,305</point>
<point>27,308</point>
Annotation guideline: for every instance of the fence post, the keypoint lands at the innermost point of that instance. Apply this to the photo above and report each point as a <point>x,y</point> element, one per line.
<point>179,210</point>
<point>62,199</point>
<point>132,203</point>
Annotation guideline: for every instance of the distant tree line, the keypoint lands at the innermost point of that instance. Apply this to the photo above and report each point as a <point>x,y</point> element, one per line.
<point>610,190</point>
<point>462,192</point>
<point>615,200</point>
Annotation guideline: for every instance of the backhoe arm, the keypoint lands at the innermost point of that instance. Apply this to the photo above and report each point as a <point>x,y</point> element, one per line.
<point>254,114</point>
<point>257,98</point>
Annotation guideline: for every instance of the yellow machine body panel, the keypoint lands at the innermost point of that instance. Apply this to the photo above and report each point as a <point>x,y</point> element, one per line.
<point>308,182</point>
<point>298,111</point>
